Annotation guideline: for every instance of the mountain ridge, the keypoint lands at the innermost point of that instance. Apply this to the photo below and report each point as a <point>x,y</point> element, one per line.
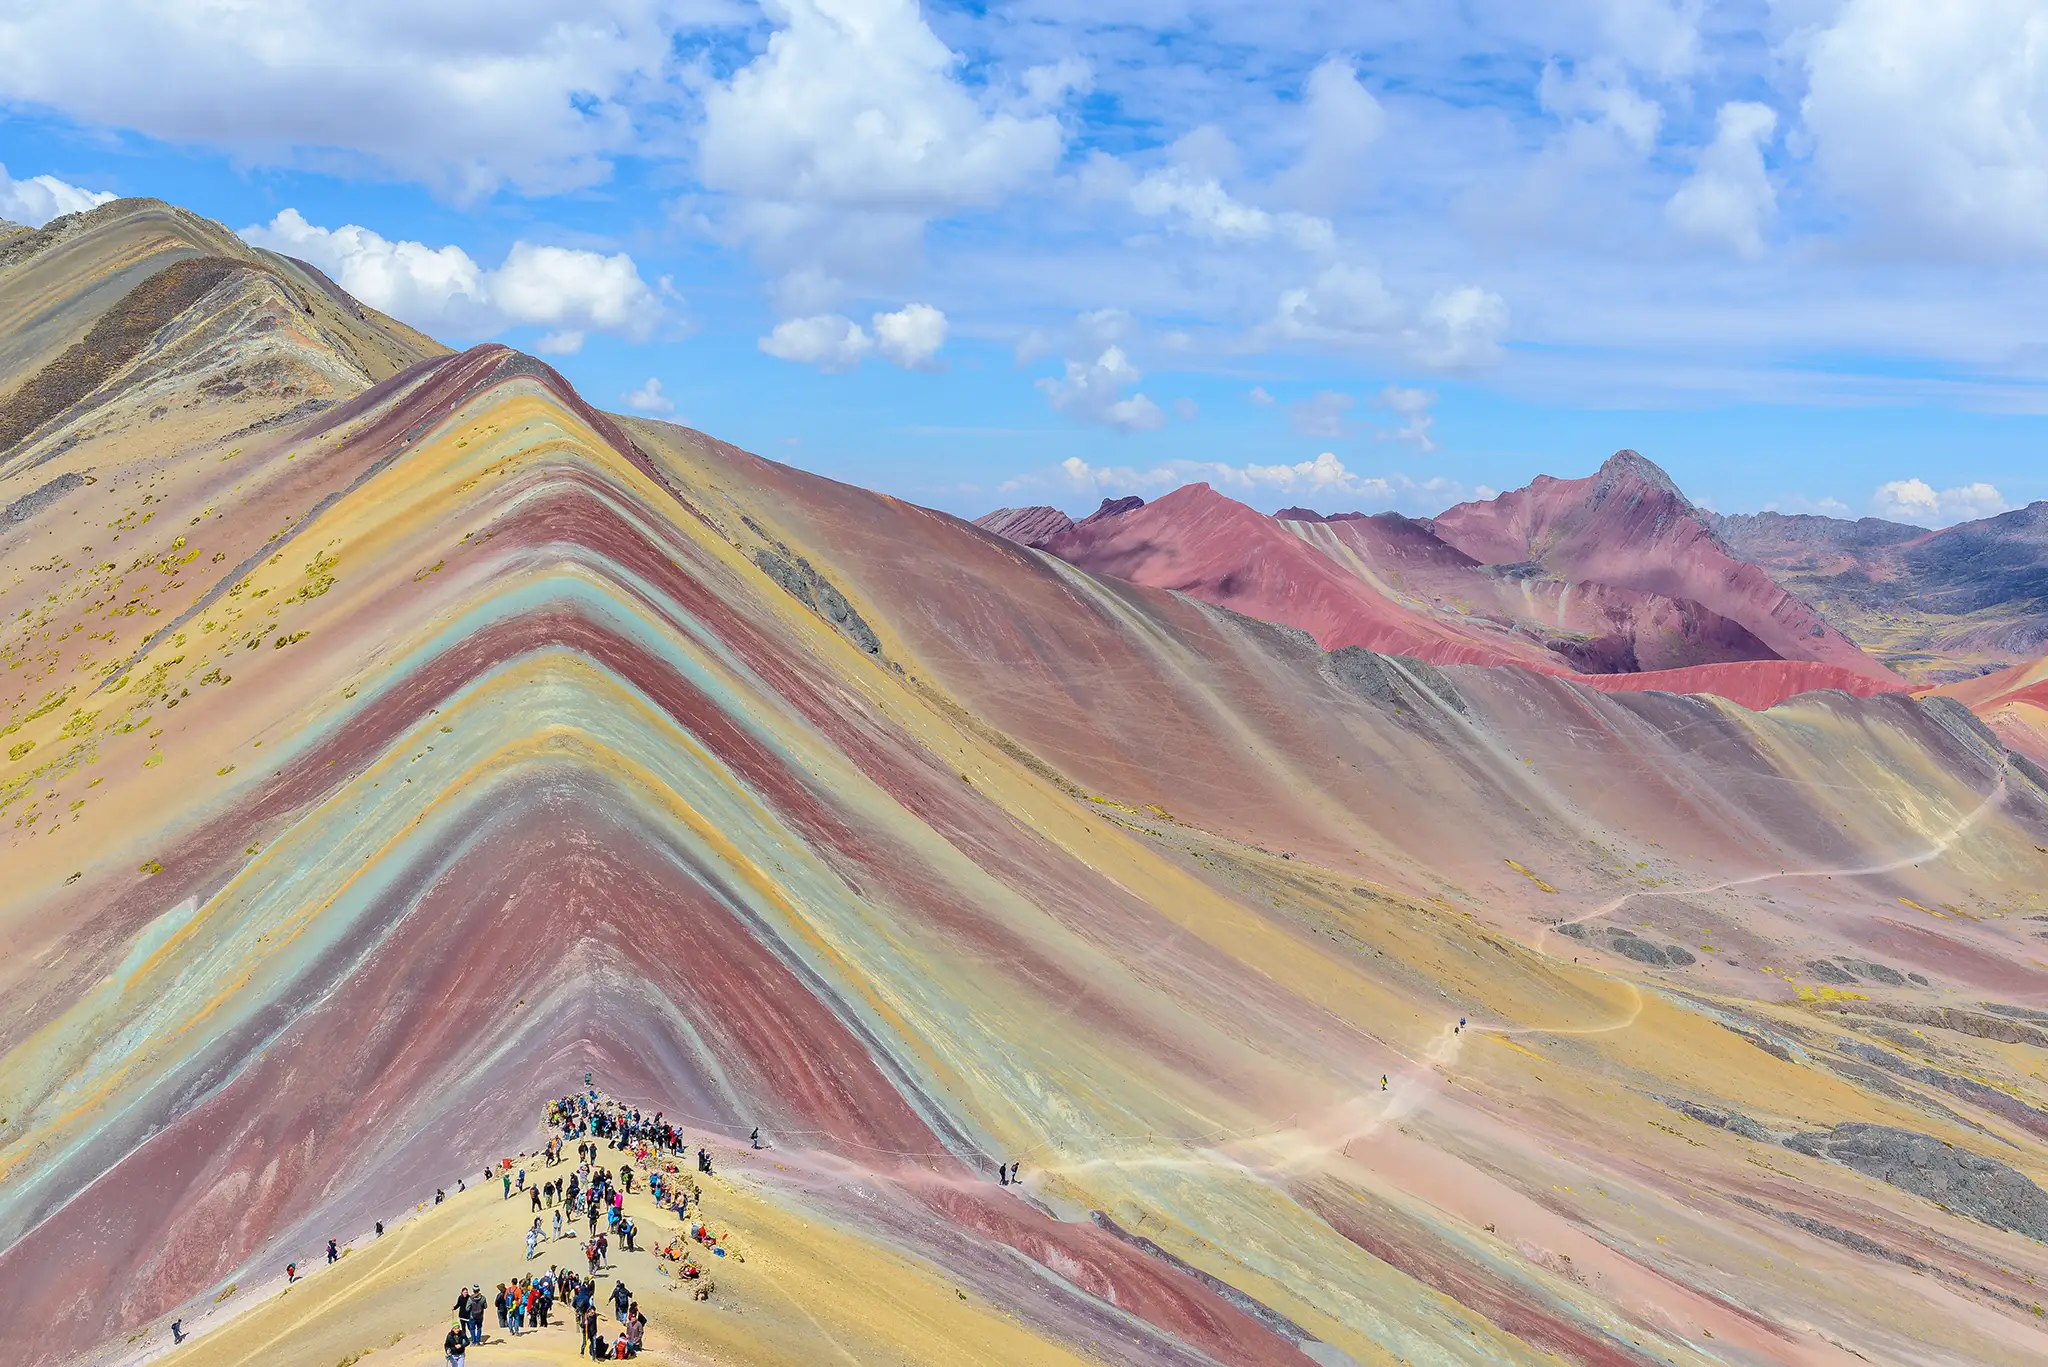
<point>378,772</point>
<point>1615,578</point>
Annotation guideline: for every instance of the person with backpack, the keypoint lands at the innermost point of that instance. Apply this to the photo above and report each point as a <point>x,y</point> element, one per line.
<point>455,1344</point>
<point>621,1298</point>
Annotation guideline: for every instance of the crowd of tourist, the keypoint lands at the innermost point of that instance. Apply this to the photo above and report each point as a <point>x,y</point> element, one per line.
<point>595,1191</point>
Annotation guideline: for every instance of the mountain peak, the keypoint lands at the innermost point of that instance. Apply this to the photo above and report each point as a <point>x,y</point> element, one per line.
<point>1626,466</point>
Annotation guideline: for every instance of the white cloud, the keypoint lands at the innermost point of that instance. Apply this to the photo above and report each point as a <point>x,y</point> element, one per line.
<point>569,291</point>
<point>1459,328</point>
<point>1324,416</point>
<point>1260,397</point>
<point>1729,198</point>
<point>832,343</point>
<point>1092,391</point>
<point>1412,407</point>
<point>1341,121</point>
<point>911,336</point>
<point>1825,506</point>
<point>39,199</point>
<point>1934,118</point>
<point>462,95</point>
<point>649,398</point>
<point>1348,307</point>
<point>1916,501</point>
<point>851,130</point>
<point>1196,202</point>
<point>1600,105</point>
<point>1325,476</point>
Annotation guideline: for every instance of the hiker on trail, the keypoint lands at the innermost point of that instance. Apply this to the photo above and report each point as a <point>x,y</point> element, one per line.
<point>380,1229</point>
<point>476,1312</point>
<point>439,1196</point>
<point>558,1224</point>
<point>1003,1173</point>
<point>586,1321</point>
<point>333,1252</point>
<point>291,1273</point>
<point>621,1298</point>
<point>177,1331</point>
<point>1013,1174</point>
<point>755,1137</point>
<point>532,1238</point>
<point>592,1210</point>
<point>536,1198</point>
<point>636,1328</point>
<point>456,1344</point>
<point>626,1233</point>
<point>604,1249</point>
<point>1383,1082</point>
<point>508,1186</point>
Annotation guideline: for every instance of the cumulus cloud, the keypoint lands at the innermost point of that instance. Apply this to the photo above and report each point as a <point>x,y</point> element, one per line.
<point>910,337</point>
<point>570,291</point>
<point>1918,502</point>
<point>1325,476</point>
<point>1934,119</point>
<point>1729,198</point>
<point>462,95</point>
<point>1412,407</point>
<point>1349,307</point>
<point>1188,193</point>
<point>1324,416</point>
<point>39,199</point>
<point>1260,397</point>
<point>852,130</point>
<point>1092,391</point>
<point>829,341</point>
<point>649,398</point>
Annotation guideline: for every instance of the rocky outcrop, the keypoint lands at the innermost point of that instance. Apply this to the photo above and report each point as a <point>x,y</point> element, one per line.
<point>1033,526</point>
<point>1955,1179</point>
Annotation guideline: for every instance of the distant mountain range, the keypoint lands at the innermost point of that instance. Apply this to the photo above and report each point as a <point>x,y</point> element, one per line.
<point>1616,577</point>
<point>1936,606</point>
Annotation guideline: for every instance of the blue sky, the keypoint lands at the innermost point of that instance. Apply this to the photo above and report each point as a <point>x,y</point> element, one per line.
<point>1356,255</point>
